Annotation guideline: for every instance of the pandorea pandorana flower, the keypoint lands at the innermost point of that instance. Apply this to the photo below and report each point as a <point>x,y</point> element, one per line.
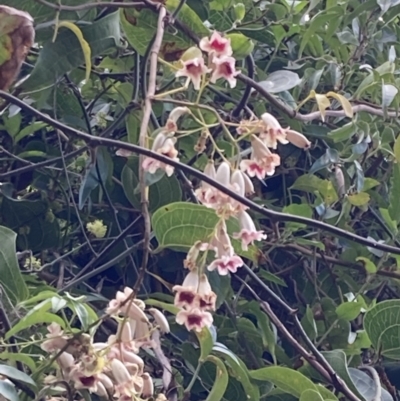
<point>194,319</point>
<point>216,45</point>
<point>248,232</point>
<point>224,67</point>
<point>164,145</point>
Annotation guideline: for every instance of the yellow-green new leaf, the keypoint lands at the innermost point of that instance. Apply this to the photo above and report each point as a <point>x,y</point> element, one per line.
<point>396,149</point>
<point>346,105</point>
<point>359,199</point>
<point>85,45</point>
<point>221,380</point>
<point>323,103</point>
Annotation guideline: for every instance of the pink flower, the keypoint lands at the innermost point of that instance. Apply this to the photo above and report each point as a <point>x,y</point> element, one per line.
<point>262,161</point>
<point>273,132</point>
<point>248,233</point>
<point>226,259</point>
<point>193,69</point>
<point>56,339</point>
<point>224,67</point>
<point>226,264</point>
<point>165,146</point>
<point>194,319</point>
<point>190,261</point>
<point>217,45</point>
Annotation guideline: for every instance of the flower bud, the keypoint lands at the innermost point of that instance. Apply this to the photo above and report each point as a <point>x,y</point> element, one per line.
<point>223,174</point>
<point>148,387</point>
<point>119,371</point>
<point>160,319</point>
<point>297,139</point>
<point>240,11</point>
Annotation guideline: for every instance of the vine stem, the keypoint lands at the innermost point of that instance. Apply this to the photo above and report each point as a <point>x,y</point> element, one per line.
<point>143,141</point>
<point>94,141</point>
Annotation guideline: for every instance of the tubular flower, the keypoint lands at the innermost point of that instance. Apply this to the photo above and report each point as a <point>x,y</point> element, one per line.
<point>224,67</point>
<point>297,139</point>
<point>248,233</point>
<point>163,145</point>
<point>262,161</point>
<point>56,339</point>
<point>216,45</point>
<point>194,319</point>
<point>193,69</point>
<point>174,115</point>
<point>273,132</point>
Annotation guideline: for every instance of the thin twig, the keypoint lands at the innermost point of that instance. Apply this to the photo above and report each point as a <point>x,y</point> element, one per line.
<point>144,190</point>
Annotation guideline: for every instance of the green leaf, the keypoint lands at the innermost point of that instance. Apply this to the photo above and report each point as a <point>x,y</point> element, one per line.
<point>162,305</point>
<point>8,391</point>
<point>396,149</point>
<point>370,266</point>
<point>238,370</point>
<point>370,183</point>
<point>360,199</point>
<point>271,277</point>
<point>308,323</point>
<point>348,310</point>
<point>65,54</point>
<point>302,210</point>
<point>343,133</point>
<point>221,380</point>
<point>242,46</point>
<point>394,196</point>
<point>288,380</point>
<point>18,357</point>
<point>311,395</point>
<point>10,275</point>
<point>206,343</point>
<point>16,374</point>
<point>164,191</point>
<point>35,318</point>
<point>179,225</point>
<point>140,26</point>
<point>382,324</point>
<point>307,183</point>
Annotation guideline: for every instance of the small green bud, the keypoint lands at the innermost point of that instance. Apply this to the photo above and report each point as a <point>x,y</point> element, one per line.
<point>240,11</point>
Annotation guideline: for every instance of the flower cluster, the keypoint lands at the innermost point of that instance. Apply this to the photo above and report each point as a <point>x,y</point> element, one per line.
<point>164,144</point>
<point>114,368</point>
<point>221,64</point>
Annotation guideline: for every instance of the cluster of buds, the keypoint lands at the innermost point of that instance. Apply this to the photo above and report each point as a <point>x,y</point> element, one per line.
<point>221,64</point>
<point>114,368</point>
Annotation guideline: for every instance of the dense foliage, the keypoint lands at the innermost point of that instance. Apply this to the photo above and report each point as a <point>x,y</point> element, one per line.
<point>199,200</point>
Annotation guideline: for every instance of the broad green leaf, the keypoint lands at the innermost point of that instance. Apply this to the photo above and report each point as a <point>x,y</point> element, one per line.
<point>392,225</point>
<point>179,225</point>
<point>311,395</point>
<point>10,275</point>
<point>360,199</point>
<point>140,25</point>
<point>16,374</point>
<point>162,305</point>
<point>369,183</point>
<point>389,92</point>
<point>348,310</point>
<point>221,379</point>
<point>65,54</point>
<point>280,81</point>
<point>242,46</point>
<point>164,191</point>
<point>28,130</point>
<point>382,324</point>
<point>288,380</point>
<point>271,277</point>
<point>307,183</point>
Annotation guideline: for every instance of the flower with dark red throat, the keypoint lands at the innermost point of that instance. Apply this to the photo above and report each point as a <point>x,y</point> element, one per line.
<point>224,67</point>
<point>193,68</point>
<point>194,319</point>
<point>216,45</point>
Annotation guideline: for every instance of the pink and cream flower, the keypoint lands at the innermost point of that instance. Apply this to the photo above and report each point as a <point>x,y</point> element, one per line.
<point>262,161</point>
<point>216,45</point>
<point>273,132</point>
<point>224,67</point>
<point>165,146</point>
<point>193,69</point>
<point>194,319</point>
<point>248,232</point>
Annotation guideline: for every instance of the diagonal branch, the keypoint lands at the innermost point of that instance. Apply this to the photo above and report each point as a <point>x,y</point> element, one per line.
<point>94,141</point>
